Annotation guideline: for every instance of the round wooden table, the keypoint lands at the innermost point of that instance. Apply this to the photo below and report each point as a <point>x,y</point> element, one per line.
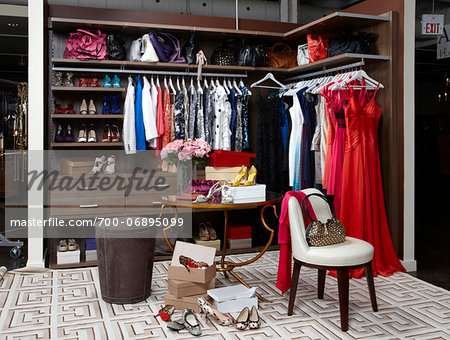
<point>222,265</point>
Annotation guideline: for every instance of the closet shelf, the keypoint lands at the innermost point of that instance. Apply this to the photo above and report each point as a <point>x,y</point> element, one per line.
<point>86,89</point>
<point>96,116</point>
<point>86,145</point>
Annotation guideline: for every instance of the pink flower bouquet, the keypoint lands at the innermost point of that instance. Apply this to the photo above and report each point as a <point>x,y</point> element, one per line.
<point>195,151</point>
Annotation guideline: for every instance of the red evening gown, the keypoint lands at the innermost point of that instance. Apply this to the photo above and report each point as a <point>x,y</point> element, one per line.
<point>362,209</point>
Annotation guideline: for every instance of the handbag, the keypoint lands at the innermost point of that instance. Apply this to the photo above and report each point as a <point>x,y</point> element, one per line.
<point>136,50</point>
<point>225,54</point>
<point>350,43</point>
<point>149,52</point>
<point>85,45</point>
<point>255,56</point>
<point>317,46</point>
<point>284,58</point>
<point>302,55</point>
<point>167,47</point>
<point>320,234</point>
<point>190,49</point>
<point>115,49</point>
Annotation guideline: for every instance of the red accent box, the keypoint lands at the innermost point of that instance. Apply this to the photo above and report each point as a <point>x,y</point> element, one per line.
<point>238,232</point>
<point>224,158</point>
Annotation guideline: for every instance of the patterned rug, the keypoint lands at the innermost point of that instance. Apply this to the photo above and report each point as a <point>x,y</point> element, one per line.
<point>66,304</point>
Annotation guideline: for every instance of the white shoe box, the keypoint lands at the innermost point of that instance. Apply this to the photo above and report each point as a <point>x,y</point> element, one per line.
<point>65,257</point>
<point>91,255</point>
<point>233,299</point>
<point>239,243</point>
<point>242,194</point>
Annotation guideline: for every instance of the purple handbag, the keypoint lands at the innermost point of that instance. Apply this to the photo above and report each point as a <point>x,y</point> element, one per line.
<point>167,47</point>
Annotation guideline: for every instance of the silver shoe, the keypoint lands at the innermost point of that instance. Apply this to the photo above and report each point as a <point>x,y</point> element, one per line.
<point>191,322</point>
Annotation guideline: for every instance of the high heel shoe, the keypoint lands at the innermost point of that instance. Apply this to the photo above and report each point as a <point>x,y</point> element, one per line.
<point>242,175</point>
<point>253,320</point>
<point>251,179</point>
<point>203,232</point>
<point>111,167</point>
<point>211,231</point>
<point>83,107</point>
<point>165,312</point>
<point>191,263</point>
<point>211,192</point>
<point>242,319</point>
<point>92,109</point>
<point>227,197</point>
<point>207,309</point>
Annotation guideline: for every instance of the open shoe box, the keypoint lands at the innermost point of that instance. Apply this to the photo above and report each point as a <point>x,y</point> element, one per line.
<point>177,271</point>
<point>233,299</point>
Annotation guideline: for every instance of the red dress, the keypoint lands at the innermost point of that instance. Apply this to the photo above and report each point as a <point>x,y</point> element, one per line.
<point>362,209</point>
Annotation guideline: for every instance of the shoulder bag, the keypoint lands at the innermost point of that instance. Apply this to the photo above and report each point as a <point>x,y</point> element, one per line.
<point>284,58</point>
<point>302,55</point>
<point>167,47</point>
<point>85,44</point>
<point>320,234</point>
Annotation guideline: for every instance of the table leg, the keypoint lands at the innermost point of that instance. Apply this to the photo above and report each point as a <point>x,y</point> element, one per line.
<point>175,212</point>
<point>224,245</point>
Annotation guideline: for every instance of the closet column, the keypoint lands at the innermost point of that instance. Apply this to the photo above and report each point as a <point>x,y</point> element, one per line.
<point>36,97</point>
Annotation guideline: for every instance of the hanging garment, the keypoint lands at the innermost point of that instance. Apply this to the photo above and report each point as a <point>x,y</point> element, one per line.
<point>200,117</point>
<point>179,121</point>
<point>167,117</point>
<point>172,117</point>
<point>310,124</point>
<point>245,98</point>
<point>193,98</point>
<point>222,117</point>
<point>362,209</point>
<point>186,109</point>
<point>232,99</point>
<point>154,93</point>
<point>239,136</point>
<point>209,114</point>
<point>295,143</point>
<point>159,120</point>
<point>323,127</point>
<point>269,146</point>
<point>148,112</point>
<point>139,120</point>
<point>129,129</point>
<point>284,125</point>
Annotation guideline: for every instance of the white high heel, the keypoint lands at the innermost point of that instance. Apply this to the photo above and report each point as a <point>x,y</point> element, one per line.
<point>98,165</point>
<point>111,167</point>
<point>227,197</point>
<point>202,199</point>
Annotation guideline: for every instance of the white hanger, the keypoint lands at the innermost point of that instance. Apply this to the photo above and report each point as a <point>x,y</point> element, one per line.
<point>267,77</point>
<point>205,83</point>
<point>225,86</point>
<point>236,87</point>
<point>178,84</point>
<point>229,85</point>
<point>153,81</point>
<point>165,82</point>
<point>371,84</point>
<point>217,82</point>
<point>183,84</point>
<point>199,87</point>
<point>157,82</point>
<point>192,81</point>
<point>171,86</point>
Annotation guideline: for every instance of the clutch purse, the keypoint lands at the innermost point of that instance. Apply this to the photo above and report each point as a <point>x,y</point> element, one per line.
<point>320,234</point>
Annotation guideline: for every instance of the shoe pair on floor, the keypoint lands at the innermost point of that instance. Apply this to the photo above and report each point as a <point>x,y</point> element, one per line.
<point>111,105</point>
<point>103,165</point>
<point>67,245</point>
<point>206,232</point>
<point>65,135</point>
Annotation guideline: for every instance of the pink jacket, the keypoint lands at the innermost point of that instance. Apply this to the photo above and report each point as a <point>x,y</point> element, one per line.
<point>284,279</point>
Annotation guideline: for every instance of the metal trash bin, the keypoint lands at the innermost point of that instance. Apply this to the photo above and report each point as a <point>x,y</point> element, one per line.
<point>125,263</point>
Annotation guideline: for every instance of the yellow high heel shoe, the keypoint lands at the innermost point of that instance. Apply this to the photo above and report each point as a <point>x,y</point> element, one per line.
<point>242,175</point>
<point>251,179</point>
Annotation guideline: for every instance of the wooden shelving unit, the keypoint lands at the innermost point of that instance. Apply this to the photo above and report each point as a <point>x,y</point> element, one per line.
<point>96,116</point>
<point>87,145</point>
<point>87,89</point>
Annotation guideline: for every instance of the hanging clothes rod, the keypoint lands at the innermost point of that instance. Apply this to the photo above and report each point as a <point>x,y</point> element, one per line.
<point>171,73</point>
<point>324,71</point>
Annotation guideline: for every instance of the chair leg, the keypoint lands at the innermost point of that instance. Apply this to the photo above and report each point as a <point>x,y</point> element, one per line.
<point>321,282</point>
<point>371,285</point>
<point>343,278</point>
<point>293,292</point>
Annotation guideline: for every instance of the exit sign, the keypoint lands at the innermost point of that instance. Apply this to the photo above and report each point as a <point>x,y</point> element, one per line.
<point>432,24</point>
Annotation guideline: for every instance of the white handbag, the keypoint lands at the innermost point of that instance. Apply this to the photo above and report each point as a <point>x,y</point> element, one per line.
<point>302,55</point>
<point>149,51</point>
<point>135,50</point>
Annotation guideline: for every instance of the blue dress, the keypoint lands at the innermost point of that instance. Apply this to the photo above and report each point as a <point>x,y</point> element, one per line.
<point>233,125</point>
<point>139,118</point>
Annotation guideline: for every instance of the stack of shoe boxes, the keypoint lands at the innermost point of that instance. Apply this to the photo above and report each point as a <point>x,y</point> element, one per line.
<point>186,286</point>
<point>91,250</point>
<point>239,236</point>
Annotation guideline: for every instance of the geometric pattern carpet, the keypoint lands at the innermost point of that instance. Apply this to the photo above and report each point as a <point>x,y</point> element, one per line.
<point>67,304</point>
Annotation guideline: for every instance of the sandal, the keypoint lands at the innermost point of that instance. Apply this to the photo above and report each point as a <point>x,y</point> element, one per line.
<point>166,312</point>
<point>73,245</point>
<point>111,167</point>
<point>62,246</point>
<point>82,82</point>
<point>94,82</point>
<point>107,81</point>
<point>99,163</point>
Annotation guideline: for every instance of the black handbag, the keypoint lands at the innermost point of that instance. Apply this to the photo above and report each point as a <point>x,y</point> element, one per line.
<point>320,234</point>
<point>190,49</point>
<point>255,56</point>
<point>115,49</point>
<point>225,54</point>
<point>350,43</point>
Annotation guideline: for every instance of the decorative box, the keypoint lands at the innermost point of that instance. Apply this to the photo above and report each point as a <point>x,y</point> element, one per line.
<point>239,243</point>
<point>230,158</point>
<point>237,232</point>
<point>76,166</point>
<point>248,193</point>
<point>211,243</point>
<point>65,257</point>
<point>180,289</point>
<point>176,271</point>
<point>233,299</point>
<point>91,255</point>
<point>184,302</point>
<point>91,244</point>
<point>221,173</point>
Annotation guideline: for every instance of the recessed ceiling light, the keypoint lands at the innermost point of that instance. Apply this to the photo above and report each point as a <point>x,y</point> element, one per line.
<point>13,24</point>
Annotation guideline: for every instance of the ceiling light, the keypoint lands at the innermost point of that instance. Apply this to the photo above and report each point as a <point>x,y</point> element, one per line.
<point>13,24</point>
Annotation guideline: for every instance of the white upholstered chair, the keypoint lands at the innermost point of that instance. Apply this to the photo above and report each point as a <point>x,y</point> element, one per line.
<point>351,254</point>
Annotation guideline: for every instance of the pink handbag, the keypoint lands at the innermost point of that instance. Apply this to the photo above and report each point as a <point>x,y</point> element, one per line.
<point>84,45</point>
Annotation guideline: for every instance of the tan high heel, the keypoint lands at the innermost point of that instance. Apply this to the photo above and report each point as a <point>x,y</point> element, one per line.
<point>251,180</point>
<point>207,309</point>
<point>203,232</point>
<point>242,175</point>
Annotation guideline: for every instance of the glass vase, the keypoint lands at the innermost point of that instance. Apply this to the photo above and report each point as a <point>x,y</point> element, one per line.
<point>186,172</point>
